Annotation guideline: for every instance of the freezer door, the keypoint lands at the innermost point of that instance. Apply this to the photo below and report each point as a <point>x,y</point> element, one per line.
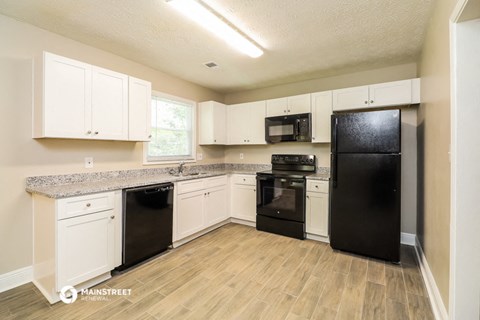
<point>365,205</point>
<point>366,132</point>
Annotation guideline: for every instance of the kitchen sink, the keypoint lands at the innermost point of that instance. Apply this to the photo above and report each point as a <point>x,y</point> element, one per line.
<point>188,174</point>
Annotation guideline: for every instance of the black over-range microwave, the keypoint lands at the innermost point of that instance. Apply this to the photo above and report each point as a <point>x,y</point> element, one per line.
<point>295,127</point>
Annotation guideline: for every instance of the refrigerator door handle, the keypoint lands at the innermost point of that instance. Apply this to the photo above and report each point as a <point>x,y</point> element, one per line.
<point>334,151</point>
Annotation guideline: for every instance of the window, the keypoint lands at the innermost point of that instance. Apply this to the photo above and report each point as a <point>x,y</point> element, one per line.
<point>173,130</point>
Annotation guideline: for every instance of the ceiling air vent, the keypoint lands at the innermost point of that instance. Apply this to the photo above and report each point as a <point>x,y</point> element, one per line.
<point>210,64</point>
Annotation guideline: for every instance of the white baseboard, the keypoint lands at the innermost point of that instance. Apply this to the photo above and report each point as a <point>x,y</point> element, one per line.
<point>439,310</point>
<point>15,278</point>
<point>408,239</point>
<point>244,222</point>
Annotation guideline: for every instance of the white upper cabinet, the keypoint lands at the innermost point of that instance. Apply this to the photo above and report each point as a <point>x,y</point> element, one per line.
<point>350,98</point>
<point>390,93</point>
<point>321,114</point>
<point>63,94</point>
<point>139,109</point>
<point>394,93</point>
<point>109,105</point>
<point>212,123</point>
<point>289,105</point>
<point>80,101</point>
<point>246,123</point>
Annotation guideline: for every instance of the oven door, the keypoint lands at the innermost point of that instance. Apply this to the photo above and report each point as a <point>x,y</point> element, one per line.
<point>281,197</point>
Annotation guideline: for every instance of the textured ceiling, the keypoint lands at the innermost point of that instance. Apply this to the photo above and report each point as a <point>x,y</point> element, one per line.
<point>301,39</point>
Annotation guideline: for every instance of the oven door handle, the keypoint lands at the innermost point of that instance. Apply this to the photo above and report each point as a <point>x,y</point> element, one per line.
<point>265,178</point>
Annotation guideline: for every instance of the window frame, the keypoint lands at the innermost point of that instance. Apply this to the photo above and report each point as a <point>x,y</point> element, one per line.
<point>177,159</point>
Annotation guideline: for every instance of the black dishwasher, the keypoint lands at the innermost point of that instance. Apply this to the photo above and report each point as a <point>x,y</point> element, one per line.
<point>147,222</point>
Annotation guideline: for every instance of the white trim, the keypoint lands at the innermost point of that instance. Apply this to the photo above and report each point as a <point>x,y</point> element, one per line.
<point>316,237</point>
<point>16,278</point>
<point>439,310</point>
<point>408,239</point>
<point>244,222</point>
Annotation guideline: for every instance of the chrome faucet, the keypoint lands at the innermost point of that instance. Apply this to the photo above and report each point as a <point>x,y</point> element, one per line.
<point>181,167</point>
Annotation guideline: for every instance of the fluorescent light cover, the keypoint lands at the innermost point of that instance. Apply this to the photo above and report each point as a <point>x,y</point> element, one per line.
<point>200,14</point>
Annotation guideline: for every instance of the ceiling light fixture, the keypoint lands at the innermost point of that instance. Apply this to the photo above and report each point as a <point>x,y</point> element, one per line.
<point>205,16</point>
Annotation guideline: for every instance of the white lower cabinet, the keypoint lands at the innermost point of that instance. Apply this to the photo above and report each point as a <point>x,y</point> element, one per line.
<point>243,200</point>
<point>317,210</point>
<point>76,241</point>
<point>85,247</point>
<point>199,204</point>
<point>216,209</point>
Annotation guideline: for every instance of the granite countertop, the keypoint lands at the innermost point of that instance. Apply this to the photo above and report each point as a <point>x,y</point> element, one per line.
<point>319,176</point>
<point>68,185</point>
<point>62,186</point>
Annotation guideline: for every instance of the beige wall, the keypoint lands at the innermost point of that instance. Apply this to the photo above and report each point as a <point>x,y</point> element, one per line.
<point>23,156</point>
<point>400,72</point>
<point>433,225</point>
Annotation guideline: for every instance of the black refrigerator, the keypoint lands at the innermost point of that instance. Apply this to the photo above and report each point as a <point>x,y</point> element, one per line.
<point>365,184</point>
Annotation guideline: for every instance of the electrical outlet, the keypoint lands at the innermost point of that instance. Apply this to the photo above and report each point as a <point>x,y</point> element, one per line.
<point>241,156</point>
<point>199,156</point>
<point>88,162</point>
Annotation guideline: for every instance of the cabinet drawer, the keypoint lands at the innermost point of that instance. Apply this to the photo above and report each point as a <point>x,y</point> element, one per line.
<point>77,206</point>
<point>317,186</point>
<point>216,181</point>
<point>247,180</point>
<point>190,185</point>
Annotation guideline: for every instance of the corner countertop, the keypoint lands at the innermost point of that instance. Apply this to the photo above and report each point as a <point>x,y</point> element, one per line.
<point>70,185</point>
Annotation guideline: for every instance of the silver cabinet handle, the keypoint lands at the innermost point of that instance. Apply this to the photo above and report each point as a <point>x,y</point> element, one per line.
<point>112,217</point>
<point>371,101</point>
<point>89,132</point>
<point>215,140</point>
<point>316,187</point>
<point>366,102</point>
<point>96,132</point>
<point>308,197</point>
<point>88,205</point>
<point>149,136</point>
<point>313,138</point>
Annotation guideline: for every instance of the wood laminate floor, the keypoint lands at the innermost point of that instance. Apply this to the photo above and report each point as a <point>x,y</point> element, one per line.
<point>236,272</point>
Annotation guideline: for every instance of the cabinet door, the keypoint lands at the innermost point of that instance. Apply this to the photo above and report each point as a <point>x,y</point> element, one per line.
<point>256,123</point>
<point>243,204</point>
<point>321,113</point>
<point>190,214</point>
<point>350,98</point>
<point>238,123</point>
<point>299,104</point>
<point>277,107</point>
<point>317,213</point>
<point>139,109</point>
<point>390,93</point>
<point>219,123</point>
<point>109,104</point>
<point>212,123</point>
<point>216,209</point>
<point>67,97</point>
<point>85,247</point>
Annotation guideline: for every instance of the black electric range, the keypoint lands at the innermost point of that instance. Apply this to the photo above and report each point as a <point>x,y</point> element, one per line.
<point>281,194</point>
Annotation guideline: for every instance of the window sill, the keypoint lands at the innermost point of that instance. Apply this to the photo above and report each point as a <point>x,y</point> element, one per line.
<point>159,162</point>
